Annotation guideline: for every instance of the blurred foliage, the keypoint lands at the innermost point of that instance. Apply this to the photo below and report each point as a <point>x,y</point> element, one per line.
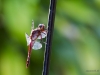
<point>76,38</point>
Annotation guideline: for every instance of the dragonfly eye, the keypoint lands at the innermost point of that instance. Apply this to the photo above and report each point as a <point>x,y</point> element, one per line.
<point>41,26</point>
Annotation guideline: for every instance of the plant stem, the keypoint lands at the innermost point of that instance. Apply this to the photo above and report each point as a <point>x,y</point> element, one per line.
<point>51,18</point>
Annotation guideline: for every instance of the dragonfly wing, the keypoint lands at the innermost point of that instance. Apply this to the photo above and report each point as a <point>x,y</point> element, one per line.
<point>43,35</point>
<point>32,25</point>
<point>27,39</point>
<point>37,45</point>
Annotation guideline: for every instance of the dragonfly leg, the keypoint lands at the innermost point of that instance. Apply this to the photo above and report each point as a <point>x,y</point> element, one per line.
<point>42,40</point>
<point>44,33</point>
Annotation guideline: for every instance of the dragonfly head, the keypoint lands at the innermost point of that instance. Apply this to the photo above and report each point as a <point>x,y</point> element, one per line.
<point>41,26</point>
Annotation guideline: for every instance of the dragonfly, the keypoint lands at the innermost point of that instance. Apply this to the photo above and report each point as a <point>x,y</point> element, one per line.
<point>32,41</point>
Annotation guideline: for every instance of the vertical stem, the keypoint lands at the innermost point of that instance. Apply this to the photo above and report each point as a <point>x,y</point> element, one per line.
<point>51,19</point>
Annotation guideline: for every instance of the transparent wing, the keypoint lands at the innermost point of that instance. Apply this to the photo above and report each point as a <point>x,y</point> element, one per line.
<point>43,35</point>
<point>27,39</point>
<point>37,45</point>
<point>32,25</point>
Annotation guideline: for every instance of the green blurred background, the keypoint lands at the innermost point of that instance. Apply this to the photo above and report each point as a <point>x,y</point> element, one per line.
<point>76,37</point>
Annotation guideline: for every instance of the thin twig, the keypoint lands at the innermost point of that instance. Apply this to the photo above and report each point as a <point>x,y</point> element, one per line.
<point>51,19</point>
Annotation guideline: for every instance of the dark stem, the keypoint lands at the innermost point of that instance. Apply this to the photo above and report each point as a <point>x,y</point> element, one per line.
<point>51,19</point>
